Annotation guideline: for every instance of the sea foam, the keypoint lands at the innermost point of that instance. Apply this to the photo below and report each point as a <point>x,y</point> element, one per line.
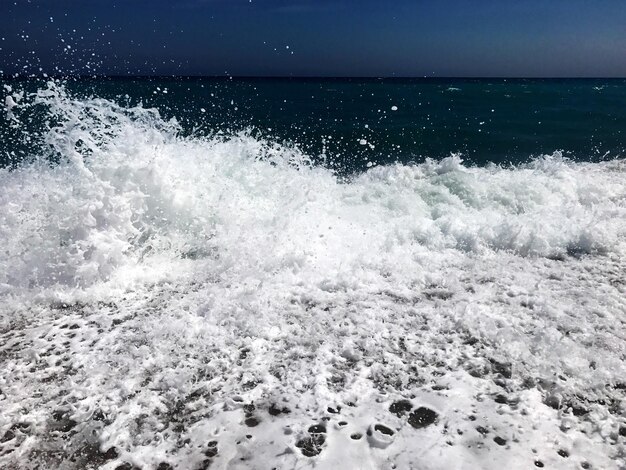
<point>207,280</point>
<point>128,190</point>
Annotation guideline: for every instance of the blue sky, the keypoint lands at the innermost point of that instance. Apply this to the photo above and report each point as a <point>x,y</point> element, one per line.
<point>316,37</point>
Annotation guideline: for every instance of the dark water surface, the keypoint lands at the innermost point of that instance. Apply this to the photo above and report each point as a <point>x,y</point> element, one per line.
<point>354,122</point>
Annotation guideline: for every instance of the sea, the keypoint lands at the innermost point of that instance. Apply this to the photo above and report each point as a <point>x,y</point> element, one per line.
<point>245,273</point>
<point>351,124</point>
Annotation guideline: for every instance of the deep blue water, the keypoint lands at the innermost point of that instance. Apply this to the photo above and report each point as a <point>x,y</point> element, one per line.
<point>352,122</point>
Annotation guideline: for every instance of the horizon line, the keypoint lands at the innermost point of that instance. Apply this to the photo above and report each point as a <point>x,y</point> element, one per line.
<point>306,77</point>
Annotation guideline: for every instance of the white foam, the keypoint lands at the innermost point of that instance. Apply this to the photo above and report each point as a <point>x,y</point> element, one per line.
<point>201,270</point>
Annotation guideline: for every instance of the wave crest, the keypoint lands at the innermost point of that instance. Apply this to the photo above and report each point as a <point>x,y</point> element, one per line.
<point>131,200</point>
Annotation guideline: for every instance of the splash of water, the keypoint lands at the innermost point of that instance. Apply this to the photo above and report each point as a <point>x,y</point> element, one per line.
<point>130,196</point>
<point>203,273</point>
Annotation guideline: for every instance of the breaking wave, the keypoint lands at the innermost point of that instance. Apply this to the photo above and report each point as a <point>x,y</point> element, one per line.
<point>162,291</point>
<point>131,200</point>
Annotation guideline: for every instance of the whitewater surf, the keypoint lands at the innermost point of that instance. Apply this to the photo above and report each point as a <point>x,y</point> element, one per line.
<point>186,301</point>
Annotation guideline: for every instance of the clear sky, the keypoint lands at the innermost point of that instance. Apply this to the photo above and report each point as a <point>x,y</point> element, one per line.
<point>316,37</point>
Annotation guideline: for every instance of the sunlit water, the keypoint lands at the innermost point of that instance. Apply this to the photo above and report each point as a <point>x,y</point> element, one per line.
<point>263,292</point>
